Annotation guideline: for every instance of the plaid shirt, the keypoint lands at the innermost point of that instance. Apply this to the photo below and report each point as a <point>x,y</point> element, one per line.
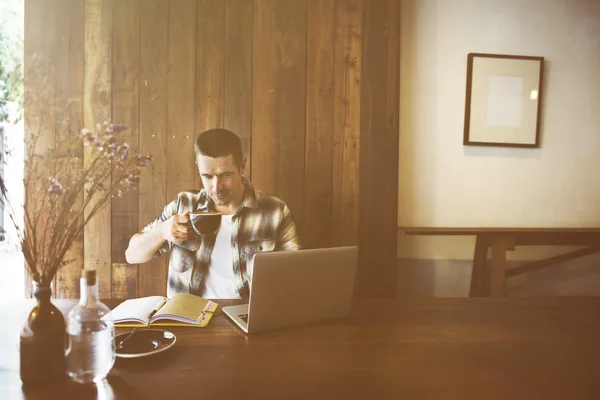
<point>263,223</point>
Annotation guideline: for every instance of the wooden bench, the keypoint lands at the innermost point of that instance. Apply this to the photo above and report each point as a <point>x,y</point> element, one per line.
<point>489,279</point>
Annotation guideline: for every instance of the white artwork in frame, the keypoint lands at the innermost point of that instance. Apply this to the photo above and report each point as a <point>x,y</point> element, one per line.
<point>503,100</point>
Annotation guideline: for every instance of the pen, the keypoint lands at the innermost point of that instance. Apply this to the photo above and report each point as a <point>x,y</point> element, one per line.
<point>127,337</point>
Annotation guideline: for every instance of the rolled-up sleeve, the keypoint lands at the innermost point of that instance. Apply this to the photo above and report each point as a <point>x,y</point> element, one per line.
<point>169,210</point>
<point>287,235</point>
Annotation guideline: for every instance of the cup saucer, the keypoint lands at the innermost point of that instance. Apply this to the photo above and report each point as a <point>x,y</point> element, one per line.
<point>144,342</point>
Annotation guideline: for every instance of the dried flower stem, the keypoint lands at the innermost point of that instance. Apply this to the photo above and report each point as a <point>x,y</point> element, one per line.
<point>53,215</point>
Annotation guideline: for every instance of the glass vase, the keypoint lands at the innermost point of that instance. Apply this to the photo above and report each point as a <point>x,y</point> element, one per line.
<point>42,340</point>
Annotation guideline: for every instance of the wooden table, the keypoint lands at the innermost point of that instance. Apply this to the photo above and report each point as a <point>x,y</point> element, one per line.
<point>473,348</point>
<point>489,279</point>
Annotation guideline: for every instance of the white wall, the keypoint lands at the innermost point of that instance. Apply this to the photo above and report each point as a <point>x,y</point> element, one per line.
<point>442,182</point>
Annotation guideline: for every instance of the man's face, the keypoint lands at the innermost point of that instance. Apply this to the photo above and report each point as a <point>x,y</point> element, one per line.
<point>221,178</point>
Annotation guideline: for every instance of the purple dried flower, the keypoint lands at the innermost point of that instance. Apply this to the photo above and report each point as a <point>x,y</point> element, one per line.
<point>111,150</point>
<point>142,161</point>
<point>123,151</point>
<point>99,144</point>
<point>56,187</point>
<point>110,170</point>
<point>118,128</point>
<point>133,179</point>
<point>90,139</point>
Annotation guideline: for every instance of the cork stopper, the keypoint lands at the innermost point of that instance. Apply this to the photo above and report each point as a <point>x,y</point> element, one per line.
<point>89,275</point>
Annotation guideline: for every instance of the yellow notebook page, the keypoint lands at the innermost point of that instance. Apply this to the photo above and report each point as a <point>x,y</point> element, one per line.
<point>184,305</point>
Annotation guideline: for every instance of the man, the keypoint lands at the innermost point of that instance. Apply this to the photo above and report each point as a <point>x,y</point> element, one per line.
<point>216,266</point>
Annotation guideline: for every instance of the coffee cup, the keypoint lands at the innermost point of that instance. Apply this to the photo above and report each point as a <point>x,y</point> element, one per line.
<point>205,223</point>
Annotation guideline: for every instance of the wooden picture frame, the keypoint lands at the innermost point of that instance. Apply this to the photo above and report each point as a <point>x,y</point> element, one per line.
<point>503,100</point>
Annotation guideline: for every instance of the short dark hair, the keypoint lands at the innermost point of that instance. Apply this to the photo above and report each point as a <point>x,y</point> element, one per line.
<point>219,142</point>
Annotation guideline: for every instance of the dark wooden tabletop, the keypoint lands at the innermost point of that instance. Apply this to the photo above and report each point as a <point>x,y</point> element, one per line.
<point>472,231</point>
<point>477,348</point>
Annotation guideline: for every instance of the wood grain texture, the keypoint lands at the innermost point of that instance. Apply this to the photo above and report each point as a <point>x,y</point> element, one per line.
<point>70,19</point>
<point>507,231</point>
<point>537,265</point>
<point>67,277</point>
<point>318,163</point>
<point>239,16</point>
<point>479,269</point>
<point>279,102</point>
<point>310,86</point>
<point>181,168</point>
<point>97,109</point>
<point>346,130</point>
<point>456,349</point>
<point>210,67</point>
<point>153,119</point>
<point>247,153</point>
<point>125,106</point>
<point>69,55</point>
<point>379,136</point>
<point>499,245</point>
<point>40,85</point>
<point>124,281</point>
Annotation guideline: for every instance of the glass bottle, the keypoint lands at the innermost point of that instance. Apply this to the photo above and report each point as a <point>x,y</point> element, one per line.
<point>42,340</point>
<point>91,332</point>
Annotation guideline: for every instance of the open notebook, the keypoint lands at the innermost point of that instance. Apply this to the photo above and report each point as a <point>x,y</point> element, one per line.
<point>180,310</point>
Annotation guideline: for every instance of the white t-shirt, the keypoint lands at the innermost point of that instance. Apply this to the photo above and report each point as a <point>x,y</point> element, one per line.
<point>220,280</point>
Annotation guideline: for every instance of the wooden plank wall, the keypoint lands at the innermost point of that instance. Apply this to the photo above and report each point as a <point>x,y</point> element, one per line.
<point>311,87</point>
<point>125,110</point>
<point>279,101</point>
<point>97,108</point>
<point>40,79</point>
<point>69,116</point>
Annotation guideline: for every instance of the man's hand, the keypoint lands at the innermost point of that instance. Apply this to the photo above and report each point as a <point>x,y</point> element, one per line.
<point>176,228</point>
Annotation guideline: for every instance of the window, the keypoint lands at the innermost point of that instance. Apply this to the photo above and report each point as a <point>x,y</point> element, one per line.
<point>1,176</point>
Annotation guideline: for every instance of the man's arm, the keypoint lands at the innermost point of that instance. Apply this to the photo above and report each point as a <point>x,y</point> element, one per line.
<point>144,246</point>
<point>287,236</point>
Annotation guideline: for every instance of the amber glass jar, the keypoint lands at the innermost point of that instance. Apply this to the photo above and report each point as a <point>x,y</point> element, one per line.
<point>43,339</point>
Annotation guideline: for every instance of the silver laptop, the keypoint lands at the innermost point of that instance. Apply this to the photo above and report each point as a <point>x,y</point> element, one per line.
<point>293,288</point>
